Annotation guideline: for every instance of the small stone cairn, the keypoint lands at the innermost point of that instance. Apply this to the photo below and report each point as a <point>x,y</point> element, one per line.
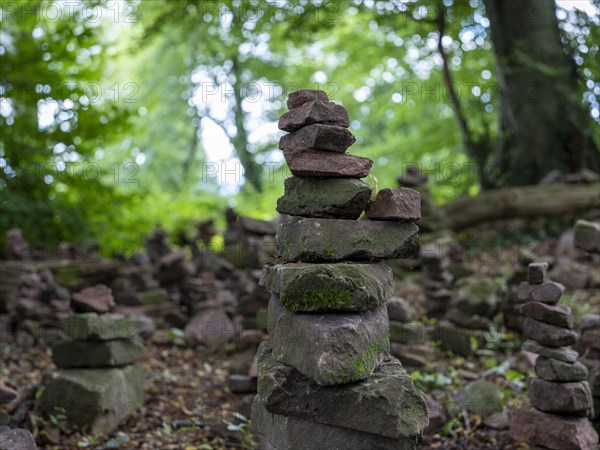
<point>97,384</point>
<point>436,280</point>
<point>560,395</point>
<point>587,237</point>
<point>326,379</point>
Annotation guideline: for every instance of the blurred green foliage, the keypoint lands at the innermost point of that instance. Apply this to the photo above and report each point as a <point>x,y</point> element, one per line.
<point>117,116</point>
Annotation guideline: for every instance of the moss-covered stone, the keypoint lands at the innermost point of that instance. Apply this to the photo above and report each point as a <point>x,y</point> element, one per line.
<point>330,287</point>
<point>387,403</point>
<point>315,240</point>
<point>341,198</point>
<point>332,349</point>
<point>96,353</point>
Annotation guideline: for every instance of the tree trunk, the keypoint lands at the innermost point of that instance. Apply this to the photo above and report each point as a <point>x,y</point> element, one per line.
<point>543,124</point>
<point>529,201</point>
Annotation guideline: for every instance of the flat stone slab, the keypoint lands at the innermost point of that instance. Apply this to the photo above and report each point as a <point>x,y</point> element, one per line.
<point>408,333</point>
<point>332,349</point>
<point>587,236</point>
<point>69,354</point>
<point>299,98</point>
<point>99,327</point>
<point>567,398</point>
<point>94,400</point>
<point>559,315</point>
<point>401,204</point>
<point>315,240</point>
<point>551,369</point>
<point>561,353</point>
<point>546,292</point>
<point>330,198</point>
<point>387,403</point>
<point>316,163</point>
<point>291,433</point>
<point>314,112</point>
<point>349,287</point>
<point>319,137</point>
<point>548,335</point>
<point>552,431</point>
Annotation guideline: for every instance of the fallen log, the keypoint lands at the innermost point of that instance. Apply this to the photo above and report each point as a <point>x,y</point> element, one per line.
<point>522,202</point>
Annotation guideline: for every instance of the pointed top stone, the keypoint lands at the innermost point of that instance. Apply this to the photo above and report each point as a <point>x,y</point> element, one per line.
<point>299,98</point>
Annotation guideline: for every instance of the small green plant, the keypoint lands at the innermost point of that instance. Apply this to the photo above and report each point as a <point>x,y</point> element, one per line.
<point>247,440</point>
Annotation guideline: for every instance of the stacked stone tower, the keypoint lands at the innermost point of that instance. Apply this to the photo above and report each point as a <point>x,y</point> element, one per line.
<point>97,384</point>
<point>326,379</point>
<point>560,395</point>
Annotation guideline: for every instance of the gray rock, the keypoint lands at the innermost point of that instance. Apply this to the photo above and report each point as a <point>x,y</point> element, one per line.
<point>547,292</point>
<point>587,236</point>
<point>7,394</point>
<point>95,400</point>
<point>548,335</point>
<point>561,353</point>
<point>555,370</point>
<point>145,325</point>
<point>565,398</point>
<point>330,287</point>
<point>590,322</point>
<point>241,384</point>
<point>17,439</point>
<point>466,320</point>
<point>99,327</point>
<point>330,198</point>
<point>69,354</point>
<point>315,240</point>
<point>387,403</point>
<point>412,355</point>
<point>479,397</point>
<point>408,333</point>
<point>552,431</point>
<point>291,433</point>
<point>477,295</point>
<point>559,315</point>
<point>257,226</point>
<point>210,326</point>
<point>152,297</point>
<point>399,309</point>
<point>536,272</point>
<point>332,348</point>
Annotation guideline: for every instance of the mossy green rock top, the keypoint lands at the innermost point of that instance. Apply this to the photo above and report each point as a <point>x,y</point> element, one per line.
<point>385,404</point>
<point>332,348</point>
<point>333,198</point>
<point>330,287</point>
<point>99,327</point>
<point>315,240</point>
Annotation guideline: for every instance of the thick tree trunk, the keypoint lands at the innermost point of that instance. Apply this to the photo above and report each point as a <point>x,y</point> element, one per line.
<point>529,201</point>
<point>543,123</point>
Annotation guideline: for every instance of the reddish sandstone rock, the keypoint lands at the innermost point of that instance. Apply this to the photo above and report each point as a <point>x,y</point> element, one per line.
<point>319,136</point>
<point>314,112</point>
<point>552,431</point>
<point>402,204</point>
<point>314,163</point>
<point>299,98</point>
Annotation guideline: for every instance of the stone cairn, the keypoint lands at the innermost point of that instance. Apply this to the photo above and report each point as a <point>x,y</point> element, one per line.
<point>587,238</point>
<point>560,395</point>
<point>436,280</point>
<point>97,384</point>
<point>326,379</point>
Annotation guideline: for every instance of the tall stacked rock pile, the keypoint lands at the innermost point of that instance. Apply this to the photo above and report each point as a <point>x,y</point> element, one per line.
<point>560,395</point>
<point>98,383</point>
<point>436,280</point>
<point>326,379</point>
<point>587,238</point>
<point>248,242</point>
